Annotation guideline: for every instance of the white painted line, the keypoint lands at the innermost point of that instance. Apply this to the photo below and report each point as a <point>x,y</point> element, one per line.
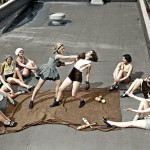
<point>6,4</point>
<point>145,16</point>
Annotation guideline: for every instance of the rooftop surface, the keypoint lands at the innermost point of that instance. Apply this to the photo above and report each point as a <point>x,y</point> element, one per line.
<point>112,30</point>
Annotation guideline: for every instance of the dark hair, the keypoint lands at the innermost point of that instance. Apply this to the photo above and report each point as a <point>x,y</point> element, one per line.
<point>127,57</point>
<point>148,82</point>
<point>81,56</point>
<point>8,56</point>
<point>94,56</point>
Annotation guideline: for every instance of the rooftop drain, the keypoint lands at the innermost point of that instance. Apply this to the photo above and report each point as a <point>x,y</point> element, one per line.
<point>57,19</point>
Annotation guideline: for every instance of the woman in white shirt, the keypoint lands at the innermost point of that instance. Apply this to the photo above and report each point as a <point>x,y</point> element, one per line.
<point>75,77</point>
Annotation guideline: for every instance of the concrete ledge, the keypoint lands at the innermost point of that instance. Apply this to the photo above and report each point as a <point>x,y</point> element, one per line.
<point>11,7</point>
<point>145,23</point>
<point>145,17</point>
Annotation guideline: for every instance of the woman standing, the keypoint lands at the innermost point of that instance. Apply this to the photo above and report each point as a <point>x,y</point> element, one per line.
<point>75,77</point>
<point>49,72</point>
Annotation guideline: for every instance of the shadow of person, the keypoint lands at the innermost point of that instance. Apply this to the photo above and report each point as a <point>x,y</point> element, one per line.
<point>64,23</point>
<point>93,85</point>
<point>136,75</point>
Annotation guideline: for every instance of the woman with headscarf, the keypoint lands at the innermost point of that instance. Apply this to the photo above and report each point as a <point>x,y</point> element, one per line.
<point>24,64</point>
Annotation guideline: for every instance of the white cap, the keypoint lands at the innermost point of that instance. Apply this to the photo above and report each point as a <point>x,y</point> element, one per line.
<point>18,50</point>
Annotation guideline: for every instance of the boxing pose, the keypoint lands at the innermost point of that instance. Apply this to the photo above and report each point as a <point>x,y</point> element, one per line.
<point>49,71</point>
<point>75,77</point>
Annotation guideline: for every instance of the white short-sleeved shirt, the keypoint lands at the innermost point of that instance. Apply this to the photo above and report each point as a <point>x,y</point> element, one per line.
<point>81,64</point>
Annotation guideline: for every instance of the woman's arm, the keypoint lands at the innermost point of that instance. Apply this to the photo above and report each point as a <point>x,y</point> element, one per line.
<point>58,56</point>
<point>2,69</point>
<point>25,66</point>
<point>69,63</point>
<point>88,72</point>
<point>128,74</point>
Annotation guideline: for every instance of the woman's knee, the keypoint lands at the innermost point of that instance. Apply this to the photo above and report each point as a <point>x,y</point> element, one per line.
<point>31,63</point>
<point>17,69</point>
<point>58,83</point>
<point>26,74</point>
<point>74,95</point>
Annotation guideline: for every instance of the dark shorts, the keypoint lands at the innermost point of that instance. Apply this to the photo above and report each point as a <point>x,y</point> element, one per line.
<point>75,75</point>
<point>9,75</point>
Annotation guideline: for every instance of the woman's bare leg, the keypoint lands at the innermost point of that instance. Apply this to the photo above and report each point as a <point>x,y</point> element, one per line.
<point>75,89</point>
<point>37,88</point>
<point>118,76</point>
<point>134,86</point>
<point>58,83</point>
<point>17,81</point>
<point>136,124</point>
<point>66,83</point>
<point>17,74</point>
<point>32,64</point>
<point>3,118</point>
<point>9,96</point>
